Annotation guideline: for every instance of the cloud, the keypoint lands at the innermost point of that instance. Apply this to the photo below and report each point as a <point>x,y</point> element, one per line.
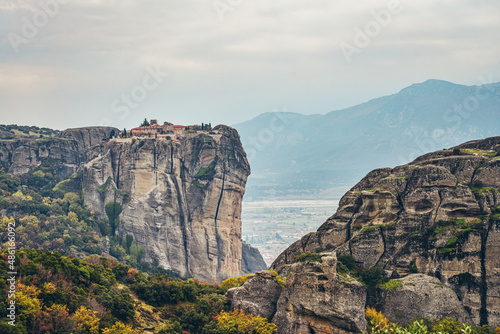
<point>263,55</point>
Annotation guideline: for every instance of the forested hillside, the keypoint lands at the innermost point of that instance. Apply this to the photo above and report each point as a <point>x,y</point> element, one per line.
<point>58,294</point>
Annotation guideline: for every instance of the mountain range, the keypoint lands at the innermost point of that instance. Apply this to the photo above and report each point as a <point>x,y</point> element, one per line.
<point>320,156</point>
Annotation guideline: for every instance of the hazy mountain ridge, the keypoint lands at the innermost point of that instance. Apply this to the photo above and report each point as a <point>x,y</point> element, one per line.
<point>292,153</point>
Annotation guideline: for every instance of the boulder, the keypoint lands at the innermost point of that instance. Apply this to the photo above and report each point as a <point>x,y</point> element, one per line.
<point>258,296</point>
<point>315,299</point>
<point>421,295</point>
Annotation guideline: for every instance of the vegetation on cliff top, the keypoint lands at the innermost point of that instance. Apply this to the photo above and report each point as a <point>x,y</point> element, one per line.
<point>308,257</point>
<point>23,130</point>
<point>233,282</point>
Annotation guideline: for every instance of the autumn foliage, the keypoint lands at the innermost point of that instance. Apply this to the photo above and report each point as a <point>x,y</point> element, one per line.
<point>237,322</point>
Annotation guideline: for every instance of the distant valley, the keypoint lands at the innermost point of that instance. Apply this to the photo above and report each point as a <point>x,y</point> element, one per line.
<point>295,156</point>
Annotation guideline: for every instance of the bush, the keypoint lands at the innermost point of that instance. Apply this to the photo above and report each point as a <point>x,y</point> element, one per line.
<point>423,321</point>
<point>447,325</point>
<point>206,173</point>
<point>452,242</point>
<point>198,184</point>
<point>237,322</point>
<point>376,320</point>
<point>120,328</point>
<point>120,304</point>
<point>171,328</point>
<point>342,269</point>
<point>308,257</point>
<point>391,286</point>
<point>279,279</point>
<point>372,276</point>
<point>456,151</point>
<point>412,267</point>
<point>379,324</point>
<point>348,261</point>
<point>233,282</point>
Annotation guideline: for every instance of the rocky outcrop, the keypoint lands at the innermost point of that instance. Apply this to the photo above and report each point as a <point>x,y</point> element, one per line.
<point>65,153</point>
<point>422,296</point>
<point>258,296</point>
<point>22,154</point>
<point>439,214</point>
<point>88,137</point>
<point>6,135</point>
<point>181,198</point>
<point>251,259</point>
<point>315,299</point>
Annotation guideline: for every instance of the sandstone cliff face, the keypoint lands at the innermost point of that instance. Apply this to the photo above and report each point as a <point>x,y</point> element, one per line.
<point>440,212</point>
<point>19,155</point>
<point>181,199</point>
<point>315,299</point>
<point>251,259</point>
<point>88,137</point>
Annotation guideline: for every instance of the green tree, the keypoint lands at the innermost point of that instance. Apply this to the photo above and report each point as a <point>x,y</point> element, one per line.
<point>413,266</point>
<point>137,251</point>
<point>145,122</point>
<point>113,210</point>
<point>120,304</point>
<point>171,328</point>
<point>129,239</point>
<point>347,260</point>
<point>372,276</point>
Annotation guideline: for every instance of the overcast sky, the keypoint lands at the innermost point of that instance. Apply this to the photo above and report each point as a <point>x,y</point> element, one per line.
<point>89,62</point>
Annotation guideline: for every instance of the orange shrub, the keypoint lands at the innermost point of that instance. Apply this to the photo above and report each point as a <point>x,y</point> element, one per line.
<point>376,319</point>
